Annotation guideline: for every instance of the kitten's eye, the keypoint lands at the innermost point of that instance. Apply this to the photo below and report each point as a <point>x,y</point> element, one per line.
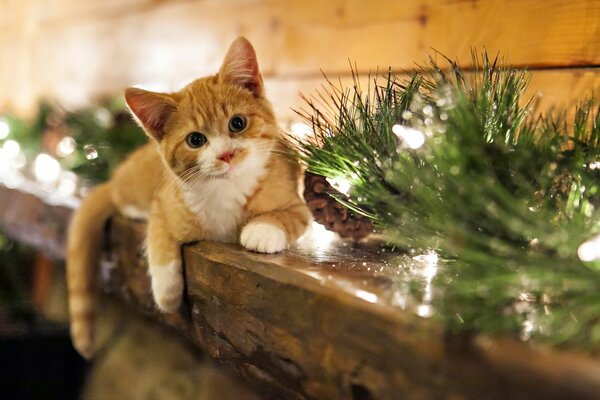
<point>195,140</point>
<point>237,123</point>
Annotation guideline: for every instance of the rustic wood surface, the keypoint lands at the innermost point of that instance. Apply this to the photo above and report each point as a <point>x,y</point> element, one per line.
<point>28,219</point>
<point>321,321</point>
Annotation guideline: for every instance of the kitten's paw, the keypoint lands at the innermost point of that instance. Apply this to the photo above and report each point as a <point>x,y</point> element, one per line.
<point>167,286</point>
<point>263,238</point>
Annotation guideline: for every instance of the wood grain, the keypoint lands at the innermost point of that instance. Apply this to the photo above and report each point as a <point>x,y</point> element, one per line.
<point>551,89</point>
<point>317,322</point>
<point>73,51</point>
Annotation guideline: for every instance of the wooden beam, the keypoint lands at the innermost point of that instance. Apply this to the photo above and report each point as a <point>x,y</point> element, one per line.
<point>551,88</point>
<point>321,324</point>
<point>317,322</point>
<point>27,218</point>
<point>73,51</point>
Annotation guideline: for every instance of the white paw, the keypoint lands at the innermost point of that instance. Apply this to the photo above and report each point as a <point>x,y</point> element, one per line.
<point>263,238</point>
<point>167,286</point>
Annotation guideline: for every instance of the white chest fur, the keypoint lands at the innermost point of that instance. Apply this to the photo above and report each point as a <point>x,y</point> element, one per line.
<point>219,203</point>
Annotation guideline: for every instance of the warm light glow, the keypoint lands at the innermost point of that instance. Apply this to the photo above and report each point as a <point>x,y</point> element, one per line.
<point>590,250</point>
<point>90,152</point>
<point>425,310</point>
<point>340,184</point>
<point>429,269</point>
<point>11,149</point>
<point>46,168</point>
<point>65,147</point>
<point>367,296</point>
<point>413,138</point>
<point>317,237</point>
<point>68,184</point>
<point>300,129</point>
<point>428,258</point>
<point>4,129</point>
<point>594,165</point>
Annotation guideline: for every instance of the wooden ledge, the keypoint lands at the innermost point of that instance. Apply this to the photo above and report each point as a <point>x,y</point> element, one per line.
<point>320,322</point>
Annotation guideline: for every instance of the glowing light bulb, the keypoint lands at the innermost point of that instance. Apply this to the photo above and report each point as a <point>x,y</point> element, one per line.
<point>413,138</point>
<point>594,165</point>
<point>4,129</point>
<point>68,184</point>
<point>367,296</point>
<point>46,168</point>
<point>66,146</point>
<point>590,250</point>
<point>317,237</point>
<point>11,149</point>
<point>300,129</point>
<point>425,310</point>
<point>340,184</point>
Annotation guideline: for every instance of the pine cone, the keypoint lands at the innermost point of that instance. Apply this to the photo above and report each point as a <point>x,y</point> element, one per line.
<point>329,212</point>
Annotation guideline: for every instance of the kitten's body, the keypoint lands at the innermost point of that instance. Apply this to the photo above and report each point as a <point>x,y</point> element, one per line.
<point>237,186</point>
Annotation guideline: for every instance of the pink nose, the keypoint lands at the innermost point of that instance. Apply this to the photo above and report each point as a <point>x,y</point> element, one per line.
<point>227,156</point>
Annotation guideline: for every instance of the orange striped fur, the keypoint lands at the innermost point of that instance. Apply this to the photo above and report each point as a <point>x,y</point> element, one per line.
<point>235,187</point>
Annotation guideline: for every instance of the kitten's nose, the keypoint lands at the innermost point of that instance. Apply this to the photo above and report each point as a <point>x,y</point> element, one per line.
<point>227,156</point>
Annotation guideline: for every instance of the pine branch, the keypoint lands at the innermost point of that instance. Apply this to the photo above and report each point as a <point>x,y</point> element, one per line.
<point>506,197</point>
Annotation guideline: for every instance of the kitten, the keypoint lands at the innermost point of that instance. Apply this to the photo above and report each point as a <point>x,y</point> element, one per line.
<point>214,170</point>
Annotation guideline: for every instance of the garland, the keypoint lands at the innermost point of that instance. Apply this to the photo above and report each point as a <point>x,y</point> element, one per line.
<point>457,164</point>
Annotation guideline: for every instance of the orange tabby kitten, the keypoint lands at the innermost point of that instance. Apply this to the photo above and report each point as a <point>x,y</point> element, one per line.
<point>213,171</point>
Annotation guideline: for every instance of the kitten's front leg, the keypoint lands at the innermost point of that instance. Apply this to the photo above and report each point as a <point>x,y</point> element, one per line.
<point>164,261</point>
<point>273,231</point>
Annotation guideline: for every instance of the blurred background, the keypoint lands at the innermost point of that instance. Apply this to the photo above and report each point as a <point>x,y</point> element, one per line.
<point>75,51</point>
<point>65,63</point>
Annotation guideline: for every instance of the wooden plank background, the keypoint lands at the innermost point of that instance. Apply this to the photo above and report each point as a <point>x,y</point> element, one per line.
<point>74,51</point>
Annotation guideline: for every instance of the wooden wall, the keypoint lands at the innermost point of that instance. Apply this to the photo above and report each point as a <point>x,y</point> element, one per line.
<point>75,50</point>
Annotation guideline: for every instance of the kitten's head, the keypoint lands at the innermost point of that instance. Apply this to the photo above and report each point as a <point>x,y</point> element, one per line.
<point>218,126</point>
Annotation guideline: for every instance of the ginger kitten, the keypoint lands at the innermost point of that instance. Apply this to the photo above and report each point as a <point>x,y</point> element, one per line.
<point>214,170</point>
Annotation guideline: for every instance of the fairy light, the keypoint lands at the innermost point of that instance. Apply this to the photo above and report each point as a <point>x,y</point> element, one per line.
<point>11,149</point>
<point>66,146</point>
<point>367,296</point>
<point>342,185</point>
<point>412,137</point>
<point>590,250</point>
<point>46,169</point>
<point>317,237</point>
<point>425,310</point>
<point>594,165</point>
<point>428,271</point>
<point>67,184</point>
<point>90,152</point>
<point>300,129</point>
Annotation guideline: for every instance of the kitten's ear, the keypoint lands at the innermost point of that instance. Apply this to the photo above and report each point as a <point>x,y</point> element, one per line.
<point>241,68</point>
<point>150,109</point>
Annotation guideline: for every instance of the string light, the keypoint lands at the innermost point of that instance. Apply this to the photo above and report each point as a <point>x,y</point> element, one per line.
<point>367,296</point>
<point>11,149</point>
<point>317,238</point>
<point>66,146</point>
<point>413,138</point>
<point>300,129</point>
<point>428,271</point>
<point>590,250</point>
<point>46,169</point>
<point>68,184</point>
<point>342,185</point>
